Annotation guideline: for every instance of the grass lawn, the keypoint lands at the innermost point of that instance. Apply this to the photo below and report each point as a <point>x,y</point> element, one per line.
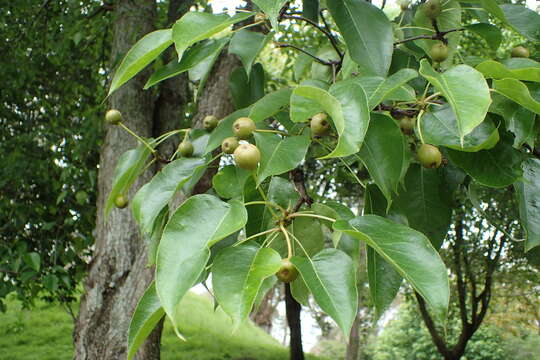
<point>44,333</point>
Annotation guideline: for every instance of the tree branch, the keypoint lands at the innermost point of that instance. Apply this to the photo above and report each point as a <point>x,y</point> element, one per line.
<point>462,290</point>
<point>297,177</point>
<point>428,321</point>
<point>437,36</point>
<point>319,60</point>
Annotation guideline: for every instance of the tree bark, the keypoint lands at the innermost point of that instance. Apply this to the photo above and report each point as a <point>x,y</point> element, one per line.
<point>293,308</point>
<point>118,275</point>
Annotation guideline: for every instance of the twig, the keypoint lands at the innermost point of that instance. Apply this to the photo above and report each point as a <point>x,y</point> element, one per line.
<point>437,36</point>
<point>319,60</point>
<point>327,33</point>
<point>297,177</point>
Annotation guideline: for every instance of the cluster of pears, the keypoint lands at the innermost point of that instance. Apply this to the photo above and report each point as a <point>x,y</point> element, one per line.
<point>246,156</point>
<point>428,155</point>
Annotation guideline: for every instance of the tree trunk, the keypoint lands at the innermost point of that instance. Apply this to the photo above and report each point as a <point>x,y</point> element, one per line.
<point>293,308</point>
<point>118,275</point>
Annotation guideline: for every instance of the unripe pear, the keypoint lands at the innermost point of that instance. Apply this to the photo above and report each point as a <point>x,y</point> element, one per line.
<point>432,9</point>
<point>185,148</point>
<point>520,52</point>
<point>229,145</point>
<point>247,156</point>
<point>210,122</point>
<point>287,273</point>
<point>113,117</point>
<point>319,124</point>
<point>243,127</point>
<point>121,201</point>
<point>406,125</point>
<point>439,52</point>
<point>429,156</point>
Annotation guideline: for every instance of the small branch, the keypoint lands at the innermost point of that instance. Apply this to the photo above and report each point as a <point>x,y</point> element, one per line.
<point>437,36</point>
<point>319,60</point>
<point>397,112</point>
<point>297,177</point>
<point>428,321</point>
<point>327,33</point>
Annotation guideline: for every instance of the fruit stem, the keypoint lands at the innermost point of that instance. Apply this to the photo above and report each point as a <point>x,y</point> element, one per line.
<point>419,125</point>
<point>152,150</point>
<point>272,131</point>
<point>310,215</point>
<point>248,26</point>
<point>265,203</point>
<point>257,235</point>
<point>263,195</point>
<point>344,163</point>
<point>166,135</point>
<point>289,245</point>
<point>214,158</point>
<point>432,96</point>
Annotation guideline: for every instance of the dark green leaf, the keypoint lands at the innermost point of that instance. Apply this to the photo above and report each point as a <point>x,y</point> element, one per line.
<point>367,32</point>
<point>379,89</point>
<point>523,20</point>
<point>247,45</point>
<point>246,91</point>
<point>519,120</point>
<point>311,9</point>
<point>270,105</point>
<point>33,260</point>
<point>339,299</point>
<point>489,32</point>
<point>528,195</point>
<point>303,108</point>
<point>517,91</point>
<point>271,8</point>
<point>229,182</point>
<point>513,68</point>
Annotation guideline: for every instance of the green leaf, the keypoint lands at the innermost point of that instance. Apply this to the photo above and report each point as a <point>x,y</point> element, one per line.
<point>307,231</point>
<point>310,9</point>
<point>246,91</point>
<point>424,205</point>
<point>196,26</point>
<point>523,20</point>
<point>303,108</point>
<point>153,238</point>
<point>346,103</point>
<point>247,45</point>
<point>498,167</point>
<point>155,195</point>
<point>385,154</point>
<point>270,105</point>
<point>449,19</point>
<point>320,71</point>
<point>490,33</point>
<point>409,252</point>
<point>237,275</point>
<point>379,89</point>
<point>191,58</point>
<point>300,291</point>
<point>229,182</point>
<point>528,195</point>
<point>224,129</point>
<point>140,55</point>
<point>33,260</point>
<point>147,315</point>
<point>50,282</point>
<point>513,68</point>
<point>440,127</point>
<point>279,155</point>
<point>367,32</point>
<point>128,168</point>
<point>493,8</point>
<point>384,280</point>
<point>519,120</point>
<point>339,299</point>
<point>271,8</point>
<point>517,91</point>
<point>466,91</point>
<point>183,252</point>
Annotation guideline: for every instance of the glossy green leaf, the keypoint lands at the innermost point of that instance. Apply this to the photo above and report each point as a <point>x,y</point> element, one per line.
<point>196,26</point>
<point>379,89</point>
<point>440,127</point>
<point>237,275</point>
<point>409,252</point>
<point>346,103</point>
<point>423,202</point>
<point>300,291</point>
<point>191,58</point>
<point>152,240</point>
<point>271,8</point>
<point>450,18</point>
<point>146,316</point>
<point>466,91</point>
<point>490,33</point>
<point>517,91</point>
<point>528,195</point>
<point>310,9</point>
<point>140,55</point>
<point>304,230</point>
<point>224,129</point>
<point>156,194</point>
<point>183,252</point>
<point>367,32</point>
<point>513,68</point>
<point>129,166</point>
<point>384,280</point>
<point>385,154</point>
<point>246,91</point>
<point>229,182</point>
<point>247,45</point>
<point>523,20</point>
<point>519,120</point>
<point>279,155</point>
<point>339,299</point>
<point>270,105</point>
<point>498,167</point>
<point>303,108</point>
